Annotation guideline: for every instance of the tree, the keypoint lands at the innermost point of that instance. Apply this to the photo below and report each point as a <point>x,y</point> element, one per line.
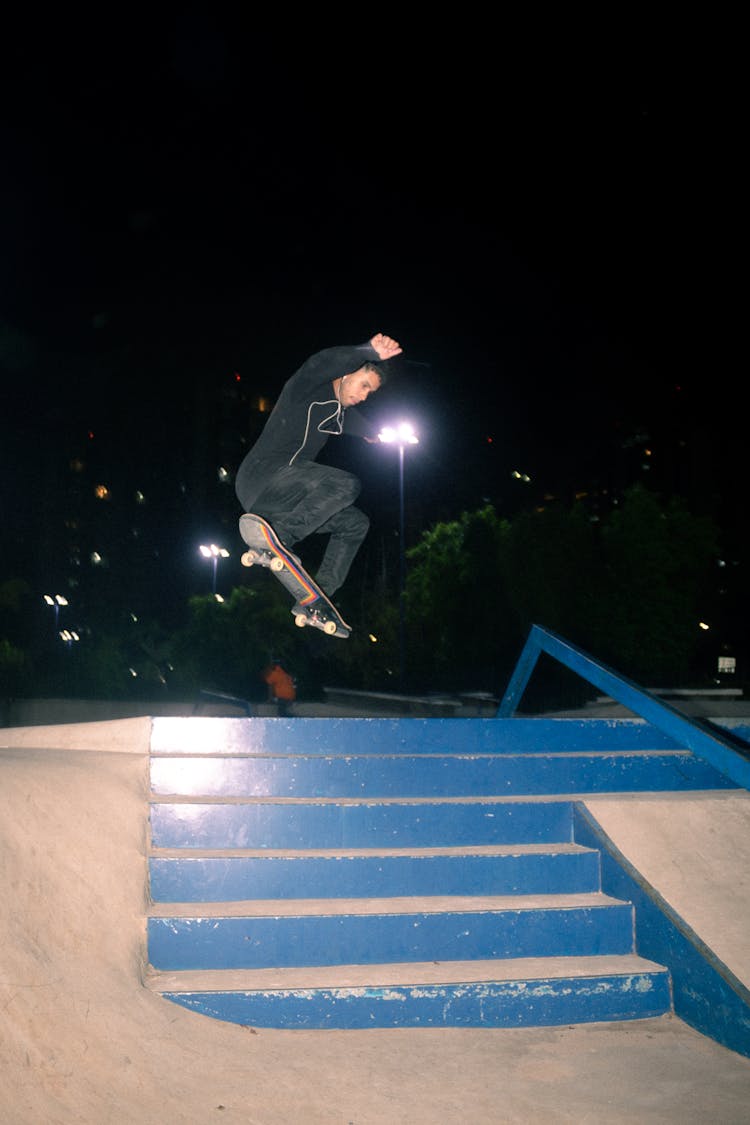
<point>15,660</point>
<point>460,626</point>
<point>552,572</point>
<point>626,589</point>
<point>14,669</point>
<point>657,560</point>
<point>224,645</point>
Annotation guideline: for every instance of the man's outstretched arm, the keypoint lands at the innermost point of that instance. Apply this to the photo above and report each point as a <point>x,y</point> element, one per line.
<point>332,363</point>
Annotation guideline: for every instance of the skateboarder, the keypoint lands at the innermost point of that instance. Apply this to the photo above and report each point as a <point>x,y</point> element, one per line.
<point>279,478</point>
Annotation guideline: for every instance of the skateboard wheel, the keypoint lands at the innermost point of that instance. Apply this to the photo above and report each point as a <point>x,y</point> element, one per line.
<point>301,620</point>
<point>249,558</point>
<point>277,564</point>
<point>330,628</point>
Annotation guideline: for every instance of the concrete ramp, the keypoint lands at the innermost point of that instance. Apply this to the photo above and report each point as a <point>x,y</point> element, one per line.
<point>695,850</point>
<point>81,1039</point>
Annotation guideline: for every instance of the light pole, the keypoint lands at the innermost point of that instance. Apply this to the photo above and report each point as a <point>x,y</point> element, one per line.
<point>402,435</point>
<point>56,602</point>
<point>214,553</point>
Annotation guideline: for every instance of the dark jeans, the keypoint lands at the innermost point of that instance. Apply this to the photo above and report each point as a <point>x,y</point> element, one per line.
<point>306,498</point>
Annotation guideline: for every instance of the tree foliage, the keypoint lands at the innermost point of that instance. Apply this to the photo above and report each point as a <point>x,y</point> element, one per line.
<point>460,622</point>
<point>15,661</point>
<point>224,645</point>
<point>627,589</point>
<point>657,561</point>
<point>553,572</point>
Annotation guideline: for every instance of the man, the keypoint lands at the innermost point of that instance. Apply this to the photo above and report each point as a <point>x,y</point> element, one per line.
<point>279,478</point>
<point>281,687</point>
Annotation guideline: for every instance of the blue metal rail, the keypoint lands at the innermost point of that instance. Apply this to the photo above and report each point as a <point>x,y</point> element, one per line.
<point>709,746</point>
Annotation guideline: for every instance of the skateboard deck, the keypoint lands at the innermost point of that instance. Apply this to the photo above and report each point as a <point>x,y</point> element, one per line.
<point>311,606</point>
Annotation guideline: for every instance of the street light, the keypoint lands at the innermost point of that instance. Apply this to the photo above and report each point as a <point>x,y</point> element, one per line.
<point>55,602</point>
<point>214,553</point>
<point>402,435</point>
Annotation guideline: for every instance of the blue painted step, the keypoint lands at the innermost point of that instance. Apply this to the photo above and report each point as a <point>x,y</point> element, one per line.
<point>280,824</point>
<point>485,871</point>
<point>205,735</point>
<point>525,993</point>
<point>367,775</point>
<point>383,932</point>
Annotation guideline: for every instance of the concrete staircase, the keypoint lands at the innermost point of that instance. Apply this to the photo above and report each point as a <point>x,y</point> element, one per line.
<point>380,873</point>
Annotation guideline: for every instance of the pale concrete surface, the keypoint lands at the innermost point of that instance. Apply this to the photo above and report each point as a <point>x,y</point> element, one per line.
<point>733,710</point>
<point>695,849</point>
<point>122,736</point>
<point>82,1041</point>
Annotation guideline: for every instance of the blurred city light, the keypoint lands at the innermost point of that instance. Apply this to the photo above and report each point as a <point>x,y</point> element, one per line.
<point>401,434</point>
<point>55,601</point>
<point>214,553</point>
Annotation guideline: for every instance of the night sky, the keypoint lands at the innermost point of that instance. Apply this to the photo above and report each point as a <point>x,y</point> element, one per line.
<point>547,227</point>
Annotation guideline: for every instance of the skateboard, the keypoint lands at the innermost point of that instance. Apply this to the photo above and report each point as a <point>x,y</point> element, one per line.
<point>311,606</point>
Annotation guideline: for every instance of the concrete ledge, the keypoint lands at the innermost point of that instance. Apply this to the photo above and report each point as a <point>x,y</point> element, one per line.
<point>46,712</point>
<point>677,693</point>
<point>223,699</point>
<point>120,736</point>
<point>400,705</point>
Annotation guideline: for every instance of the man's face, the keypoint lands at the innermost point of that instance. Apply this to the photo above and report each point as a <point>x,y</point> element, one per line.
<point>356,387</point>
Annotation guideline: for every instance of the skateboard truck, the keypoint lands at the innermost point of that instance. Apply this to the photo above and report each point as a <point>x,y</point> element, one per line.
<point>263,558</point>
<point>312,615</point>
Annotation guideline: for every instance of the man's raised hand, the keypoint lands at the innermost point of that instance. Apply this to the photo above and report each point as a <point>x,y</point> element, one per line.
<point>385,346</point>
